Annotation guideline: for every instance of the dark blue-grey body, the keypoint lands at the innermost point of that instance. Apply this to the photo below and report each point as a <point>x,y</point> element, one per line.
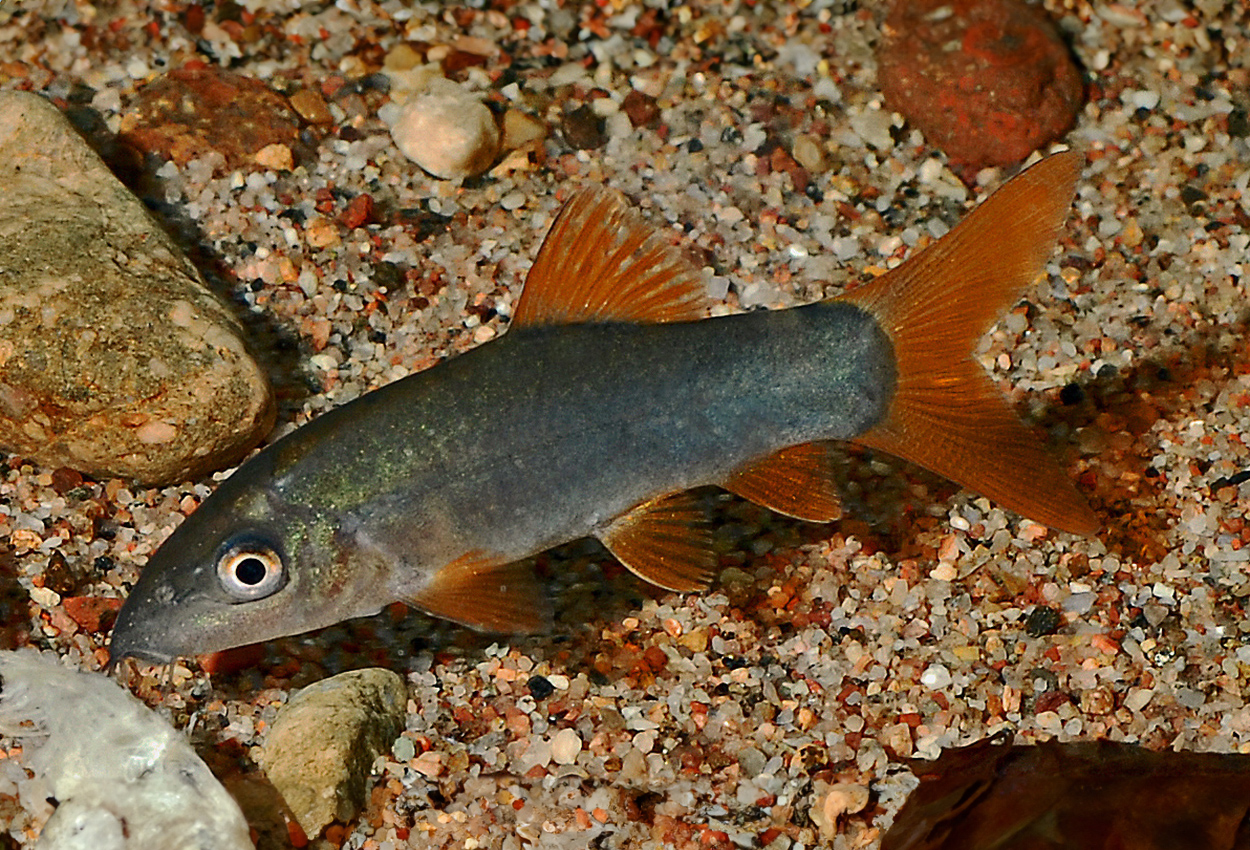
<point>551,432</point>
<point>541,437</point>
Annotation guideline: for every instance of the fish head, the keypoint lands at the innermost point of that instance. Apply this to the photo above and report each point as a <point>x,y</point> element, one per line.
<point>245,567</point>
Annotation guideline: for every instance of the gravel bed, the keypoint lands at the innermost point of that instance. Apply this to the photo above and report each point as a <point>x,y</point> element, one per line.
<point>825,656</point>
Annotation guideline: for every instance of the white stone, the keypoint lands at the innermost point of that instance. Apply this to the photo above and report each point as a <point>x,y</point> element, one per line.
<point>565,746</point>
<point>125,779</point>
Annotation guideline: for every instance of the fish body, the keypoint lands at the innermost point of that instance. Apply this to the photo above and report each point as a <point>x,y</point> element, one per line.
<point>594,415</point>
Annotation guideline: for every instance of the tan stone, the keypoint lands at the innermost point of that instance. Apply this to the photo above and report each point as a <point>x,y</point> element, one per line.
<point>117,360</point>
<point>322,745</point>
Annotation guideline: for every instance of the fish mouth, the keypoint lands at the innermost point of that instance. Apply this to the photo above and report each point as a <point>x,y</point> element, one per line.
<point>127,642</point>
<point>148,656</point>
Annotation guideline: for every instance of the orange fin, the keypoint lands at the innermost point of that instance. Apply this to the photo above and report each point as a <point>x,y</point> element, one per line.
<point>600,262</point>
<point>796,481</point>
<point>666,541</point>
<point>485,593</point>
<point>947,415</point>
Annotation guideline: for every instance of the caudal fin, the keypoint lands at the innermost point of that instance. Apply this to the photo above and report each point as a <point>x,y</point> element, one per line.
<point>947,415</point>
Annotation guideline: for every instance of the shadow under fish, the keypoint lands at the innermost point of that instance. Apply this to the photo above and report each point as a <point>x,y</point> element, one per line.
<point>611,398</point>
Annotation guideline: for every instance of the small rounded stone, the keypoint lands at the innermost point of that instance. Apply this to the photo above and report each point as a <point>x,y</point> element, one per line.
<point>447,131</point>
<point>987,81</point>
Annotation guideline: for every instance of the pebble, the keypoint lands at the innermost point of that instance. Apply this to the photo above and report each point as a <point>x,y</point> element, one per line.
<point>520,129</point>
<point>198,109</point>
<point>447,130</point>
<point>93,613</point>
<point>986,81</point>
<point>844,798</point>
<point>565,746</point>
<point>641,109</point>
<point>320,750</point>
<point>312,107</point>
<point>583,129</point>
<point>115,359</point>
<point>275,157</point>
<point>935,676</point>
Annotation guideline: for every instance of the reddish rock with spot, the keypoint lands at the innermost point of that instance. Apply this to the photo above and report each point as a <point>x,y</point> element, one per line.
<point>987,81</point>
<point>94,614</point>
<point>197,109</point>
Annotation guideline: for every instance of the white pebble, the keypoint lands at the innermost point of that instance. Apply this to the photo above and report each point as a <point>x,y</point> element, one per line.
<point>447,131</point>
<point>936,677</point>
<point>565,746</point>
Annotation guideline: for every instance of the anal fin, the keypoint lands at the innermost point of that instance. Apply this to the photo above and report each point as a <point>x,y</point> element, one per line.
<point>486,593</point>
<point>796,481</point>
<point>666,541</point>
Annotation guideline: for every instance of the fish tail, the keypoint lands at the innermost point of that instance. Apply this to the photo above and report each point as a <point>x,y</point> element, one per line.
<point>947,415</point>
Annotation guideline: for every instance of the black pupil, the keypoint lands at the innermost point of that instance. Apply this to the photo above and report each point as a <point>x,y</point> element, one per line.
<point>250,571</point>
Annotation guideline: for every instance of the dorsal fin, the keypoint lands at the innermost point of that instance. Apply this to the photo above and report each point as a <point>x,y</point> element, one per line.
<point>600,262</point>
<point>484,592</point>
<point>796,481</point>
<point>947,415</point>
<point>666,541</point>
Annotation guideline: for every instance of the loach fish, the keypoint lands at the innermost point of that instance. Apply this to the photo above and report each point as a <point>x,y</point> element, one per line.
<point>608,400</point>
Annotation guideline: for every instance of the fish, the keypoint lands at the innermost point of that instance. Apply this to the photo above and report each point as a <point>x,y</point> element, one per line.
<point>610,398</point>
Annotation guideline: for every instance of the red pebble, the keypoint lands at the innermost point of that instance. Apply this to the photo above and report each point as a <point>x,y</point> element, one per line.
<point>987,81</point>
<point>358,212</point>
<point>196,109</point>
<point>232,660</point>
<point>92,613</point>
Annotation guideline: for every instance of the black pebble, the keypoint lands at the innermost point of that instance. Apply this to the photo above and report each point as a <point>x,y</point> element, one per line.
<point>1041,621</point>
<point>540,688</point>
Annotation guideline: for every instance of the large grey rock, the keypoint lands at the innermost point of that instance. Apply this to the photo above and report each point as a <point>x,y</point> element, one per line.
<point>322,745</point>
<point>115,359</point>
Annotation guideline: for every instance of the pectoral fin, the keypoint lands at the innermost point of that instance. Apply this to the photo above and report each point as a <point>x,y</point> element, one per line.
<point>796,481</point>
<point>666,541</point>
<point>483,592</point>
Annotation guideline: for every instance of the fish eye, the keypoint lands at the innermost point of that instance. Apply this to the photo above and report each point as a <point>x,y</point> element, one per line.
<point>251,569</point>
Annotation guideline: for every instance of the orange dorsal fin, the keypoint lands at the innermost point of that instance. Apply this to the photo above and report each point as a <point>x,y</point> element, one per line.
<point>484,592</point>
<point>796,481</point>
<point>600,262</point>
<point>666,541</point>
<point>947,415</point>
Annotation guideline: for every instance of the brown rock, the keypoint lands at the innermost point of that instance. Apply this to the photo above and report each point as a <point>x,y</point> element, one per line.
<point>115,360</point>
<point>987,81</point>
<point>641,109</point>
<point>358,212</point>
<point>312,107</point>
<point>583,129</point>
<point>1085,795</point>
<point>197,109</point>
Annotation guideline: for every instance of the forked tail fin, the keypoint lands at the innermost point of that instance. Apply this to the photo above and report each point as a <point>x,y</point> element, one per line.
<point>947,415</point>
